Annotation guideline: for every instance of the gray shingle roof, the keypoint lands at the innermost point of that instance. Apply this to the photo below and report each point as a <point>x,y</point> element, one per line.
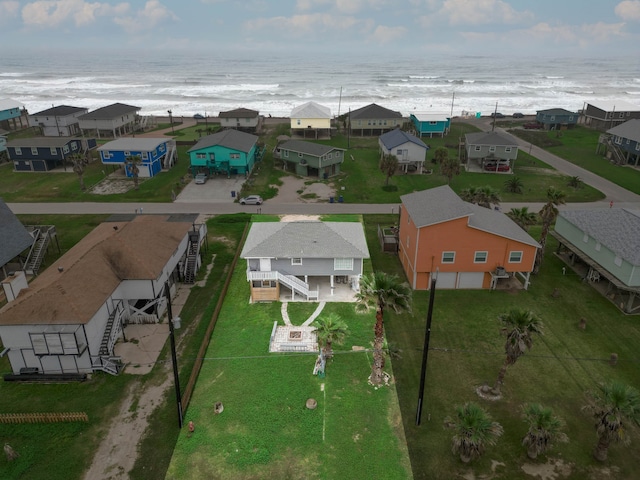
<point>373,111</point>
<point>305,240</point>
<point>616,228</point>
<point>41,142</point>
<point>59,111</point>
<point>141,144</point>
<point>441,204</point>
<point>629,129</point>
<point>556,111</point>
<point>233,139</point>
<point>398,137</point>
<point>14,238</point>
<point>239,113</point>
<point>110,111</point>
<point>309,148</point>
<point>491,139</point>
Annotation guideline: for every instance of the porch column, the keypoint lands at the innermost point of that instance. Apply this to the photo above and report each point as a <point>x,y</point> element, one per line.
<point>632,297</point>
<point>526,280</point>
<point>331,283</point>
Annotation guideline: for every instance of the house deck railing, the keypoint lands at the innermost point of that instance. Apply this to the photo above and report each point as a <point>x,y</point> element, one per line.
<point>291,281</point>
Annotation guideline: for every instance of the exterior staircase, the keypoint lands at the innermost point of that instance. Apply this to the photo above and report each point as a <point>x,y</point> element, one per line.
<point>42,237</point>
<point>193,253</point>
<point>617,155</point>
<point>169,156</point>
<point>297,285</point>
<point>106,361</point>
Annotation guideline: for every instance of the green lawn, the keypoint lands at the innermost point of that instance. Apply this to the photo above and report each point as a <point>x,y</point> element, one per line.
<point>578,145</point>
<point>466,350</point>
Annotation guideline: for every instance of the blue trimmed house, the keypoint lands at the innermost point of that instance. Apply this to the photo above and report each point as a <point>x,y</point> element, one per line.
<point>408,149</point>
<point>310,159</point>
<point>430,124</point>
<point>557,118</point>
<point>154,154</point>
<point>626,139</point>
<point>226,152</point>
<point>41,154</point>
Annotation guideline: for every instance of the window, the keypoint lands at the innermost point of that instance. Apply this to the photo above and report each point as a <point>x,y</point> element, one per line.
<point>106,155</point>
<point>617,140</point>
<point>201,155</point>
<point>553,117</point>
<point>298,121</point>
<point>286,153</point>
<point>618,261</point>
<point>478,148</point>
<point>65,149</point>
<point>515,257</point>
<point>74,146</point>
<point>480,257</point>
<point>492,148</point>
<point>433,123</point>
<point>54,344</point>
<point>343,263</point>
<point>585,238</point>
<point>621,115</point>
<point>18,151</point>
<point>212,157</point>
<point>448,257</point>
<point>234,155</point>
<point>598,246</point>
<point>54,151</point>
<point>507,149</point>
<point>337,154</point>
<point>399,151</point>
<point>638,146</point>
<point>300,154</point>
<point>127,154</point>
<point>296,261</point>
<point>34,150</point>
<point>329,156</point>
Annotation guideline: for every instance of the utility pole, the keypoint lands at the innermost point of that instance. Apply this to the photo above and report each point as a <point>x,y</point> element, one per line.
<point>174,360</point>
<point>425,351</point>
<point>495,112</point>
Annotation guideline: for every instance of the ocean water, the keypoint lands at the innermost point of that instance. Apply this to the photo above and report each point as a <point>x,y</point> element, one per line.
<point>190,83</point>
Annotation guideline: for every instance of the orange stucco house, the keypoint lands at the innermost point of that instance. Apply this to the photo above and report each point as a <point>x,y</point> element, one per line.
<point>469,246</point>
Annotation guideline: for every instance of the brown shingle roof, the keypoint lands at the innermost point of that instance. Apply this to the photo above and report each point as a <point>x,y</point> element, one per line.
<point>93,269</point>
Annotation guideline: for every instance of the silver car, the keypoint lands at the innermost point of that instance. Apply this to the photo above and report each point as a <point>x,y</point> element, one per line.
<point>251,200</point>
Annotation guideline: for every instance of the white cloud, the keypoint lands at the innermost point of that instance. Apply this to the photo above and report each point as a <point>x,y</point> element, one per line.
<point>343,6</point>
<point>52,13</point>
<point>150,16</point>
<point>629,10</point>
<point>478,12</point>
<point>9,9</point>
<point>302,24</point>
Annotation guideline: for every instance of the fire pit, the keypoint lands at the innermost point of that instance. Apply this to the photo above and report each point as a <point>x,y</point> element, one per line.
<point>295,335</point>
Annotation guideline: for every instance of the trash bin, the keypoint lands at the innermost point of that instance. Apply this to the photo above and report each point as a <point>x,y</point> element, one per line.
<point>325,176</point>
<point>340,199</point>
<point>330,199</point>
<point>233,194</point>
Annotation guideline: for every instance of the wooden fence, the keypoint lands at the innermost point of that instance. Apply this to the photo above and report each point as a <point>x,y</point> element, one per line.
<point>43,417</point>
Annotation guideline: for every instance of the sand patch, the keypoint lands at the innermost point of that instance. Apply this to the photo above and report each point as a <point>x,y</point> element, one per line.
<point>552,470</point>
<point>296,190</point>
<point>300,218</point>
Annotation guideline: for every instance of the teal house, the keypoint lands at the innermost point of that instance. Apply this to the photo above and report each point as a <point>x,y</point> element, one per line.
<point>226,152</point>
<point>431,124</point>
<point>11,114</point>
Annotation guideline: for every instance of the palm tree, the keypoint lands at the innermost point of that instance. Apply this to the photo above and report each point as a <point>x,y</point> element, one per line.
<point>474,431</point>
<point>615,405</point>
<point>381,291</point>
<point>330,329</point>
<point>520,325</point>
<point>513,185</point>
<point>523,217</point>
<point>544,428</point>
<point>131,164</point>
<point>488,195</point>
<point>79,162</point>
<point>450,167</point>
<point>469,194</point>
<point>575,182</point>
<point>548,214</point>
<point>389,165</point>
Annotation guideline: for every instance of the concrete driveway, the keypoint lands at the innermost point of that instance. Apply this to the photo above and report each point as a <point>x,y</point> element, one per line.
<point>217,189</point>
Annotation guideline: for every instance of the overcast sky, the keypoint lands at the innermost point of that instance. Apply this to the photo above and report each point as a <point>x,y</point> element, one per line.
<point>541,27</point>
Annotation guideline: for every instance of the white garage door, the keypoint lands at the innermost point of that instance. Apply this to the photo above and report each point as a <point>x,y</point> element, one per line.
<point>470,279</point>
<point>446,280</point>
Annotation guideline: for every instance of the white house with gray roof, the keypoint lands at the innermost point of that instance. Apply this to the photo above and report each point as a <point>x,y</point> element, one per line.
<point>309,258</point>
<point>624,140</point>
<point>310,159</point>
<point>113,120</point>
<point>496,147</point>
<point>60,121</point>
<point>410,151</point>
<point>607,241</point>
<point>311,119</point>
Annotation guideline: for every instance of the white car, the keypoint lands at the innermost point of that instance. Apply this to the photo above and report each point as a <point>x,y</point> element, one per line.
<point>251,200</point>
<point>201,178</point>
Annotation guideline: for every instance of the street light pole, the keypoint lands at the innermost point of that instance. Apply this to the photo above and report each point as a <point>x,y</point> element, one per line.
<point>171,121</point>
<point>425,351</point>
<point>174,360</point>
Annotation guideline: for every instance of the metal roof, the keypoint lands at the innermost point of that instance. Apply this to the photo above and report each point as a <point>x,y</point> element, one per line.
<point>8,104</point>
<point>233,139</point>
<point>614,106</point>
<point>110,111</point>
<point>629,129</point>
<point>431,117</point>
<point>311,110</point>
<point>310,148</point>
<point>373,111</point>
<point>141,144</point>
<point>398,137</point>
<point>616,228</point>
<point>306,240</point>
<point>14,238</point>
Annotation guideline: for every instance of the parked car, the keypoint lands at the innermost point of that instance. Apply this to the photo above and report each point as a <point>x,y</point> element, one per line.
<point>518,115</point>
<point>251,200</point>
<point>497,115</point>
<point>198,116</point>
<point>201,178</point>
<point>533,126</point>
<point>497,167</point>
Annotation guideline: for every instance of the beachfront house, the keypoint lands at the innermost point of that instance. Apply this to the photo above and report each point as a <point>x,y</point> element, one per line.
<point>310,159</point>
<point>243,119</point>
<point>225,153</point>
<point>11,114</point>
<point>410,151</point>
<point>623,143</point>
<point>69,318</point>
<point>372,120</point>
<point>15,239</point>
<point>470,247</point>
<point>311,120</point>
<point>430,124</point>
<point>604,247</point>
<point>311,259</point>
<point>153,154</point>
<point>492,151</point>
<point>60,121</point>
<point>111,121</point>
<point>605,114</point>
<point>42,154</point>
<point>557,118</point>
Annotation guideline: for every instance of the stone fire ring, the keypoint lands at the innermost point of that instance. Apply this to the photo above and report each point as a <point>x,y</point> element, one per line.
<point>312,403</point>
